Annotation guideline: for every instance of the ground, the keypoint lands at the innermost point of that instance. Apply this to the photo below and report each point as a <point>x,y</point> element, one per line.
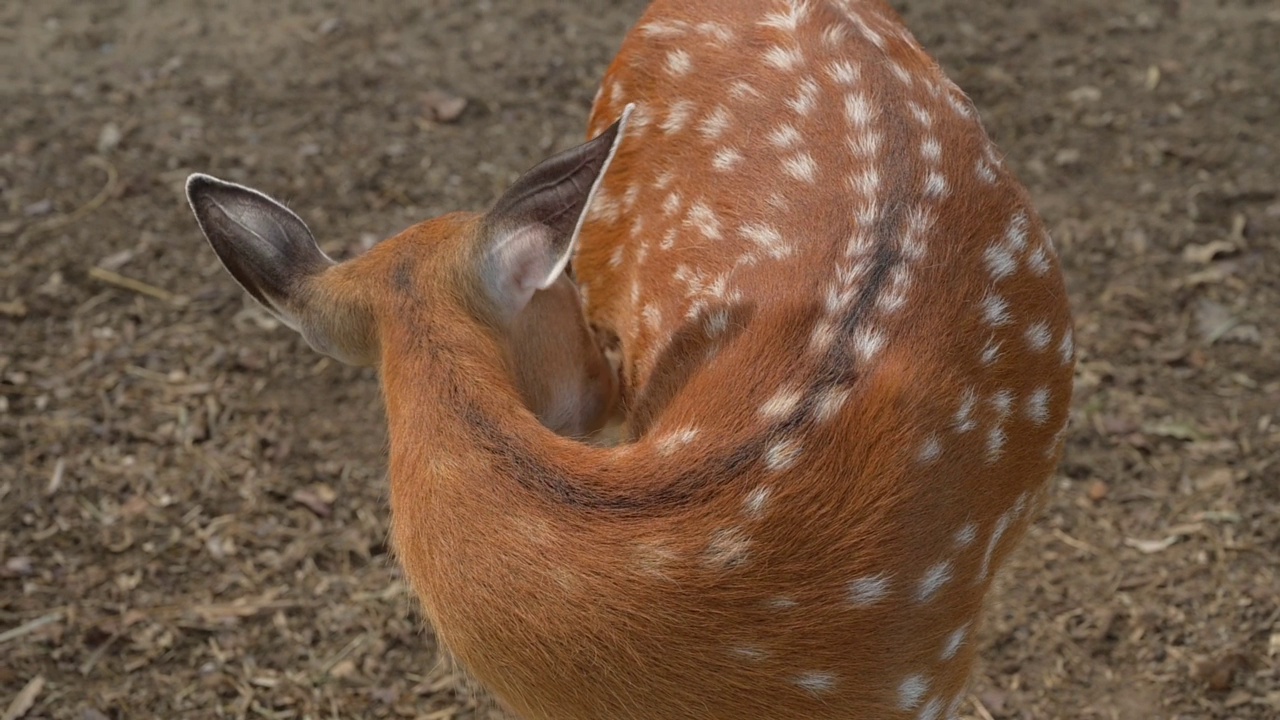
<point>193,508</point>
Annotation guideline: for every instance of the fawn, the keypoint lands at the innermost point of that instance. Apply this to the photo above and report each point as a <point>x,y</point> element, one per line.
<point>845,364</point>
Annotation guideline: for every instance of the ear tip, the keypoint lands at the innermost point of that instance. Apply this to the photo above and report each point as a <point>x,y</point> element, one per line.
<point>197,182</point>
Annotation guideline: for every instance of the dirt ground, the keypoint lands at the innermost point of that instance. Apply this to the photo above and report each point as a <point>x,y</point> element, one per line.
<point>193,508</point>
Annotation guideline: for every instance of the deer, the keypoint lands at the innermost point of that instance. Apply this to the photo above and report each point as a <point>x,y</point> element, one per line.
<point>791,259</point>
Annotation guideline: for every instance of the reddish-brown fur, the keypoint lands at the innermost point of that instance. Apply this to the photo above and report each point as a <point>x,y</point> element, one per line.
<point>804,521</point>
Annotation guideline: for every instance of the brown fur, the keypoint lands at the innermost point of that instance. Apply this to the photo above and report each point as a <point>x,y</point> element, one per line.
<point>630,583</point>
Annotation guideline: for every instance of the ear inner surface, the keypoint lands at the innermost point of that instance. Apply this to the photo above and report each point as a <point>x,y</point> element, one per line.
<point>530,233</point>
<point>265,246</point>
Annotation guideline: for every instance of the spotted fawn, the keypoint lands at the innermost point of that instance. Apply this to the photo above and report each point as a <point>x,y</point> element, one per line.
<point>834,327</point>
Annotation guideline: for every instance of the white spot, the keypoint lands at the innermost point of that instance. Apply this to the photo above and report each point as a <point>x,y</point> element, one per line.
<point>783,58</point>
<point>1001,527</point>
<point>823,336</point>
<point>1038,406</point>
<point>932,710</point>
<point>922,116</point>
<point>933,580</point>
<point>669,443</point>
<point>913,241</point>
<point>964,416</point>
<point>996,439</point>
<point>829,403</point>
<point>866,182</point>
<point>839,297</point>
<point>652,317</point>
<point>749,653</point>
<point>616,93</point>
<point>742,90</point>
<point>816,682</point>
<point>756,502</point>
<point>1016,234</point>
<point>920,219</point>
<point>714,125</point>
<point>892,301</point>
<point>901,278</point>
<point>653,557</point>
<point>800,167</point>
<point>727,548</point>
<point>876,38</point>
<point>615,258</point>
<point>1067,348</point>
<point>935,185</point>
<point>835,35</point>
<point>668,239</point>
<point>931,149</point>
<point>954,641</point>
<point>604,207</point>
<point>671,205</point>
<point>868,343</point>
<point>859,245</point>
<point>701,217</point>
<point>857,109</point>
<point>782,455</point>
<point>1039,261</point>
<point>954,707</point>
<point>865,145</point>
<point>640,119</point>
<point>958,105</point>
<point>1000,261</point>
<point>781,603</point>
<point>900,72</point>
<point>912,691</point>
<point>781,404</point>
<point>719,286</point>
<point>991,352</point>
<point>930,451</point>
<point>789,19</point>
<point>717,322</point>
<point>725,159</point>
<point>677,116</point>
<point>995,310</point>
<point>716,31</point>
<point>1002,402</point>
<point>984,172</point>
<point>768,238</point>
<point>659,28</point>
<point>806,98</point>
<point>785,136</point>
<point>843,72</point>
<point>664,178</point>
<point>1038,336</point>
<point>868,590</point>
<point>966,535</point>
<point>630,197</point>
<point>679,62</point>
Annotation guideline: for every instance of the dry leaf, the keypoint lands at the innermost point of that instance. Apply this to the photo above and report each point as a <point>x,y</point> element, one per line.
<point>1150,547</point>
<point>25,699</point>
<point>1204,254</point>
<point>1213,320</point>
<point>318,499</point>
<point>443,107</point>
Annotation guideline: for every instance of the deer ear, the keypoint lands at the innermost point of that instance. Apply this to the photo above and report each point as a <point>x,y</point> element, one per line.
<point>263,244</point>
<point>273,256</point>
<point>531,232</point>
